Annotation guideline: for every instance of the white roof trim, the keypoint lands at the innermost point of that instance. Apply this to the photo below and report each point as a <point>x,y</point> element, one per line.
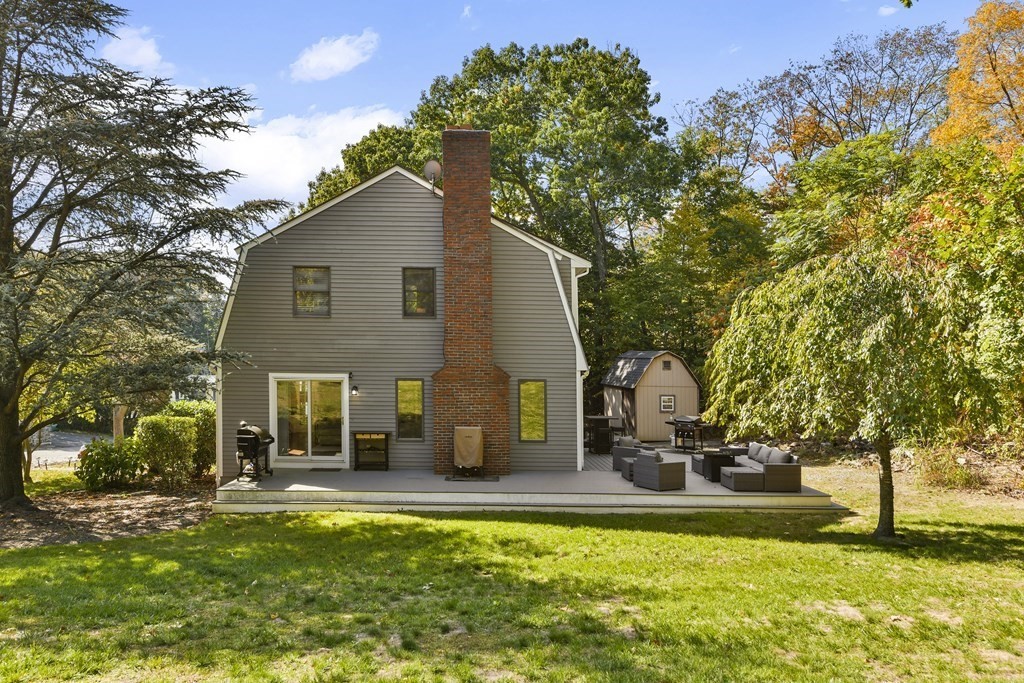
<point>581,358</point>
<point>231,297</point>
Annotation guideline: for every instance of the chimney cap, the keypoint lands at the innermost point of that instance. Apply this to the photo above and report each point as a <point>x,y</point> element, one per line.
<point>458,126</point>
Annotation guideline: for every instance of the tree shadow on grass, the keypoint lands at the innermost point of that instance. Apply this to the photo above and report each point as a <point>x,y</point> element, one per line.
<point>353,594</point>
<point>948,541</point>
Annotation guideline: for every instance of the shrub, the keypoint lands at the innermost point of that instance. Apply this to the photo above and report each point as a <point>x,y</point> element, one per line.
<point>103,463</point>
<point>943,467</point>
<point>205,415</point>
<point>168,445</point>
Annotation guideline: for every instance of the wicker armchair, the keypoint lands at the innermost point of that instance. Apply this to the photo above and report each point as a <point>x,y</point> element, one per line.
<point>650,473</point>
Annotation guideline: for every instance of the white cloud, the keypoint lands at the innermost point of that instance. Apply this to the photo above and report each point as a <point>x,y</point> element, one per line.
<point>281,155</point>
<point>132,49</point>
<point>333,56</point>
<point>886,10</point>
<point>468,19</point>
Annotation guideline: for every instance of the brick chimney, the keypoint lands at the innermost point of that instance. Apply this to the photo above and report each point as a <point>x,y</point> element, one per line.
<point>470,390</point>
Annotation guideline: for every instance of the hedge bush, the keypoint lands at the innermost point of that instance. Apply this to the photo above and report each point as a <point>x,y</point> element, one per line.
<point>205,415</point>
<point>104,463</point>
<point>168,446</point>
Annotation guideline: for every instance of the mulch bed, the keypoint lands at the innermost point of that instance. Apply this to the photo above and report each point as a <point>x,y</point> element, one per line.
<point>82,517</point>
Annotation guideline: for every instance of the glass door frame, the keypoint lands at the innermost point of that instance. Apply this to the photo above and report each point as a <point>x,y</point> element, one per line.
<point>304,462</point>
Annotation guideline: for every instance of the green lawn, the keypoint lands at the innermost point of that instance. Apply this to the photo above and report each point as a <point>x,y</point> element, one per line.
<point>533,597</point>
<point>55,480</point>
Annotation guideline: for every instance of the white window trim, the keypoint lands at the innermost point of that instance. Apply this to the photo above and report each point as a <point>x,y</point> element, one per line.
<point>661,403</point>
<point>306,461</point>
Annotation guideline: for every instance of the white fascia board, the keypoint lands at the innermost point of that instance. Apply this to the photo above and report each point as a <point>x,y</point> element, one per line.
<point>231,298</point>
<point>581,358</point>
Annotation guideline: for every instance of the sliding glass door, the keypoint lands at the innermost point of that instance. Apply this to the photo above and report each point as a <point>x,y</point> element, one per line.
<point>309,417</point>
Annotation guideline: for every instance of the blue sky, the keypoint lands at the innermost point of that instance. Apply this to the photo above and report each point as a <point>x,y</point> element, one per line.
<point>325,72</point>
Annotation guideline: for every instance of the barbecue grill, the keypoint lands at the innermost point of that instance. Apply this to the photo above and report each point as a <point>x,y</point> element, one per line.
<point>687,427</point>
<point>253,443</point>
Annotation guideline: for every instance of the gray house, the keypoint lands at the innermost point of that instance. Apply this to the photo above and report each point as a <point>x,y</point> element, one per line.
<point>395,308</point>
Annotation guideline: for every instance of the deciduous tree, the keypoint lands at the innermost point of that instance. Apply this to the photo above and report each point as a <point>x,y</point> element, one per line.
<point>986,90</point>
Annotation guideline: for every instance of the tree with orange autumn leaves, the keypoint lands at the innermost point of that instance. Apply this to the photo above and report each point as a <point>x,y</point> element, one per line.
<point>986,89</point>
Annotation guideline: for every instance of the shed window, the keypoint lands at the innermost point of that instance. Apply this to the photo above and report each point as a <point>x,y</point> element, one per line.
<point>418,292</point>
<point>409,398</point>
<point>533,410</point>
<point>312,291</point>
<point>668,404</point>
<point>666,365</point>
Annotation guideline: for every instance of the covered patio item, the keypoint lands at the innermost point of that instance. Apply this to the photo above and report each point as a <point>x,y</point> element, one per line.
<point>469,451</point>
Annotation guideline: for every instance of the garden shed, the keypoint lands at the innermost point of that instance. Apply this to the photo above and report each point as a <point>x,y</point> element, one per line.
<point>643,389</point>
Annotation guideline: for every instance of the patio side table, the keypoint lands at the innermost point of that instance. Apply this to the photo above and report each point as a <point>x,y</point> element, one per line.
<point>714,462</point>
<point>627,468</point>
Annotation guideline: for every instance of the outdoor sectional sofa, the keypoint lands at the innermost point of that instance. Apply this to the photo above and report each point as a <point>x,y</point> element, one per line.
<point>763,469</point>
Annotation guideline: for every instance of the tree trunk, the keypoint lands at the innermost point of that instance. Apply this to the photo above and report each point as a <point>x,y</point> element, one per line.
<point>12,486</point>
<point>597,228</point>
<point>26,463</point>
<point>886,500</point>
<point>120,412</point>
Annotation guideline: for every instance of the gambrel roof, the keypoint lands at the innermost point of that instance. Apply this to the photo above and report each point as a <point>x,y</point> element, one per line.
<point>553,252</point>
<point>628,369</point>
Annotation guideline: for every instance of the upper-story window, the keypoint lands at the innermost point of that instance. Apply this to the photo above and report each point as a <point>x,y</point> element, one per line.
<point>418,292</point>
<point>666,365</point>
<point>311,286</point>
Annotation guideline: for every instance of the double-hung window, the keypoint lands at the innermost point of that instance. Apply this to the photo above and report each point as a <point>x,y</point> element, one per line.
<point>311,287</point>
<point>418,293</point>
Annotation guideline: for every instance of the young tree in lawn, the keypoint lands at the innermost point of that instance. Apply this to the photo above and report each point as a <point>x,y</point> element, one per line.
<point>105,214</point>
<point>865,330</point>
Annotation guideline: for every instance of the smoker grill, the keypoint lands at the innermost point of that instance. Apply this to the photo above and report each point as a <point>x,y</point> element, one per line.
<point>253,443</point>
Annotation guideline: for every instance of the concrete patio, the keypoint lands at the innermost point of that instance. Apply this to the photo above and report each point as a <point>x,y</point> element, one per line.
<point>586,491</point>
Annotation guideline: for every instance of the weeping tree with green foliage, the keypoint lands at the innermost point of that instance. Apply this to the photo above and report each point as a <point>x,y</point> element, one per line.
<point>866,329</point>
<point>106,217</point>
<point>862,342</point>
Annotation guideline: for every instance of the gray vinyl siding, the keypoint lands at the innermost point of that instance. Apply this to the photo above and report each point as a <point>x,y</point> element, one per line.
<point>366,240</point>
<point>565,275</point>
<point>532,340</point>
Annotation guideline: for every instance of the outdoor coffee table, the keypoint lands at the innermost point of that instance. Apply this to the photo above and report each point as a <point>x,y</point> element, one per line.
<point>714,462</point>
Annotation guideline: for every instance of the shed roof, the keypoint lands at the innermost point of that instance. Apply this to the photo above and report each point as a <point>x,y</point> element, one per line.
<point>629,368</point>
